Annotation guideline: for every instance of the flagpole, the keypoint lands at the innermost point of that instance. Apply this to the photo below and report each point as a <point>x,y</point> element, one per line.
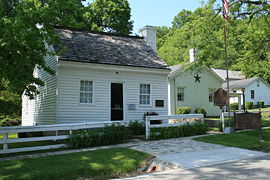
<point>227,69</point>
<point>226,17</point>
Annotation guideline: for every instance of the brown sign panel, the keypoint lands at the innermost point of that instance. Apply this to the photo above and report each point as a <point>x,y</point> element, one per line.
<point>248,120</point>
<point>220,97</point>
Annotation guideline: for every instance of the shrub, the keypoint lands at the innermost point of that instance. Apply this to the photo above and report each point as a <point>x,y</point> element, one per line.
<point>249,105</point>
<point>183,110</point>
<point>200,110</point>
<point>189,129</point>
<point>10,122</point>
<point>137,128</point>
<point>260,104</point>
<point>113,134</point>
<point>234,106</point>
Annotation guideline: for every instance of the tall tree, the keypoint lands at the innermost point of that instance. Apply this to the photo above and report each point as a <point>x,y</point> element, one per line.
<point>110,16</point>
<point>248,40</point>
<point>182,18</point>
<point>25,26</point>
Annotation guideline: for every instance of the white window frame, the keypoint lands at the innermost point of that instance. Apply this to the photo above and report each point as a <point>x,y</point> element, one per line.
<point>212,94</point>
<point>150,95</point>
<point>252,94</point>
<point>183,94</point>
<point>80,91</point>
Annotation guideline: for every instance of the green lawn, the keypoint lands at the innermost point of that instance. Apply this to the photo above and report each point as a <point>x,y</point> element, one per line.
<point>101,163</point>
<point>247,140</point>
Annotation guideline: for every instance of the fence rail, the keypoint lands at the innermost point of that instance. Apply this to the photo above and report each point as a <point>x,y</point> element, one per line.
<point>165,121</point>
<point>41,128</point>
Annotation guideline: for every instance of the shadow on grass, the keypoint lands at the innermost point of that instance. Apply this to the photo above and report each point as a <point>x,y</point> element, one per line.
<point>100,163</point>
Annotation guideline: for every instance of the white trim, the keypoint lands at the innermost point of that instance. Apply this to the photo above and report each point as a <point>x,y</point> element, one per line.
<point>113,67</point>
<point>151,94</point>
<point>93,93</point>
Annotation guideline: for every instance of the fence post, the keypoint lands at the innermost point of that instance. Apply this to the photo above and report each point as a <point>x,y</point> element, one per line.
<point>147,130</point>
<point>5,138</point>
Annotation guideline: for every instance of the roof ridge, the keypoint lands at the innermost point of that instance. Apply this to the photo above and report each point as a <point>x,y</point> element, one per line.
<point>97,32</point>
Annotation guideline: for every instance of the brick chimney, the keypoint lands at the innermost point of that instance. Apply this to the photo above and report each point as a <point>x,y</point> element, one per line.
<point>149,34</point>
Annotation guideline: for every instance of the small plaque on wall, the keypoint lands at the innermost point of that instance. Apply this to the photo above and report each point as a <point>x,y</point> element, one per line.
<point>159,103</point>
<point>131,106</point>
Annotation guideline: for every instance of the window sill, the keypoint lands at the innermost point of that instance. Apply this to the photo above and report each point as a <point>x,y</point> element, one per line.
<point>86,104</point>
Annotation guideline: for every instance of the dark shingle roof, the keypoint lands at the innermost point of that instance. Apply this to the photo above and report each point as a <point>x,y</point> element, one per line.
<point>106,48</point>
<point>240,83</point>
<point>232,74</point>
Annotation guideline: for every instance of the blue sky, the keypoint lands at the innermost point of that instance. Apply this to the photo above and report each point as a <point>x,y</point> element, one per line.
<point>157,12</point>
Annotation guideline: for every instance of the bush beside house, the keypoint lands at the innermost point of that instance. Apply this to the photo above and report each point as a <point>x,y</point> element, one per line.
<point>189,129</point>
<point>183,110</point>
<point>200,110</point>
<point>113,134</point>
<point>249,105</point>
<point>234,106</point>
<point>260,104</point>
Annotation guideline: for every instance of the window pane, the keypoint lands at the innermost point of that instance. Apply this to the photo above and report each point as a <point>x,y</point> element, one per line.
<point>148,89</point>
<point>90,86</point>
<point>86,88</point>
<point>82,86</point>
<point>81,97</point>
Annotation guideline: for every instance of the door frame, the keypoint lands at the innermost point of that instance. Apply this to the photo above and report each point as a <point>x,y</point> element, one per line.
<point>124,100</point>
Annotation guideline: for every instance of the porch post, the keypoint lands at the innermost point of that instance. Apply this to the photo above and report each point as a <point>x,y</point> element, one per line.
<point>239,104</point>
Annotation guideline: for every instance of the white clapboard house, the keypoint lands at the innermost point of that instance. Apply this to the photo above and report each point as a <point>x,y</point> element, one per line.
<point>100,77</point>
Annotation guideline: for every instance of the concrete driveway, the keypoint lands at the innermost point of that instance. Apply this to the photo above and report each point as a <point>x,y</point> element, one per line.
<point>187,153</point>
<point>252,168</point>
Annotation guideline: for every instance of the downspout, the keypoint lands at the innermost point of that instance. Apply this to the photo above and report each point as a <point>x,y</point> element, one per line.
<point>174,98</point>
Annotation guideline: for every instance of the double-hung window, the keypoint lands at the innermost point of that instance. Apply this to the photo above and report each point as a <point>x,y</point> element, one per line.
<point>86,92</point>
<point>145,94</point>
<point>211,95</point>
<point>180,94</point>
<point>252,94</point>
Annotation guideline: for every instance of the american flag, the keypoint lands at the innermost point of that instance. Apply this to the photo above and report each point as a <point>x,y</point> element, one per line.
<point>225,9</point>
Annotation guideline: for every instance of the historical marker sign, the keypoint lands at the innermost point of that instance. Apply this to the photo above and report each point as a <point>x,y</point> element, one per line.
<point>248,120</point>
<point>220,97</point>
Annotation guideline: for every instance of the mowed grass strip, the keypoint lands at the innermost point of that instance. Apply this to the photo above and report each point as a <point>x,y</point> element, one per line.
<point>246,140</point>
<point>100,163</point>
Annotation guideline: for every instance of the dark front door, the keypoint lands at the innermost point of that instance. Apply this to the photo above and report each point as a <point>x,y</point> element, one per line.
<point>116,102</point>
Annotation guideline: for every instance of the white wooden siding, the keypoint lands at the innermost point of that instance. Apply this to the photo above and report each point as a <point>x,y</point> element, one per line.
<point>261,92</point>
<point>195,94</point>
<point>71,111</point>
<point>42,109</point>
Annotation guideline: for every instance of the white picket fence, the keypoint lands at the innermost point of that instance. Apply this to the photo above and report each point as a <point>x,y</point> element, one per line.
<point>41,128</point>
<point>165,121</point>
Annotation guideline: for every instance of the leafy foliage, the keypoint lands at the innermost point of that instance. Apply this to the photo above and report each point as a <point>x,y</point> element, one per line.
<point>200,110</point>
<point>137,128</point>
<point>113,134</point>
<point>10,122</point>
<point>25,26</point>
<point>188,129</point>
<point>260,104</point>
<point>183,110</point>
<point>248,38</point>
<point>109,15</point>
<point>234,106</point>
<point>249,105</point>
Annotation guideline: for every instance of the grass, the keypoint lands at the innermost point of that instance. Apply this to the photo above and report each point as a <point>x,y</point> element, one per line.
<point>100,163</point>
<point>247,140</point>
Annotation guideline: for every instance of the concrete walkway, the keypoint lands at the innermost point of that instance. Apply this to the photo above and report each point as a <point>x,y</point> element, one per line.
<point>252,168</point>
<point>188,153</point>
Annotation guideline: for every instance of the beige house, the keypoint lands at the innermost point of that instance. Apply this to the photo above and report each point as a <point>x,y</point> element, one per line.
<point>193,90</point>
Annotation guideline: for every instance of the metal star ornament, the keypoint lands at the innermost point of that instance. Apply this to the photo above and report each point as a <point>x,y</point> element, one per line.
<point>197,78</point>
